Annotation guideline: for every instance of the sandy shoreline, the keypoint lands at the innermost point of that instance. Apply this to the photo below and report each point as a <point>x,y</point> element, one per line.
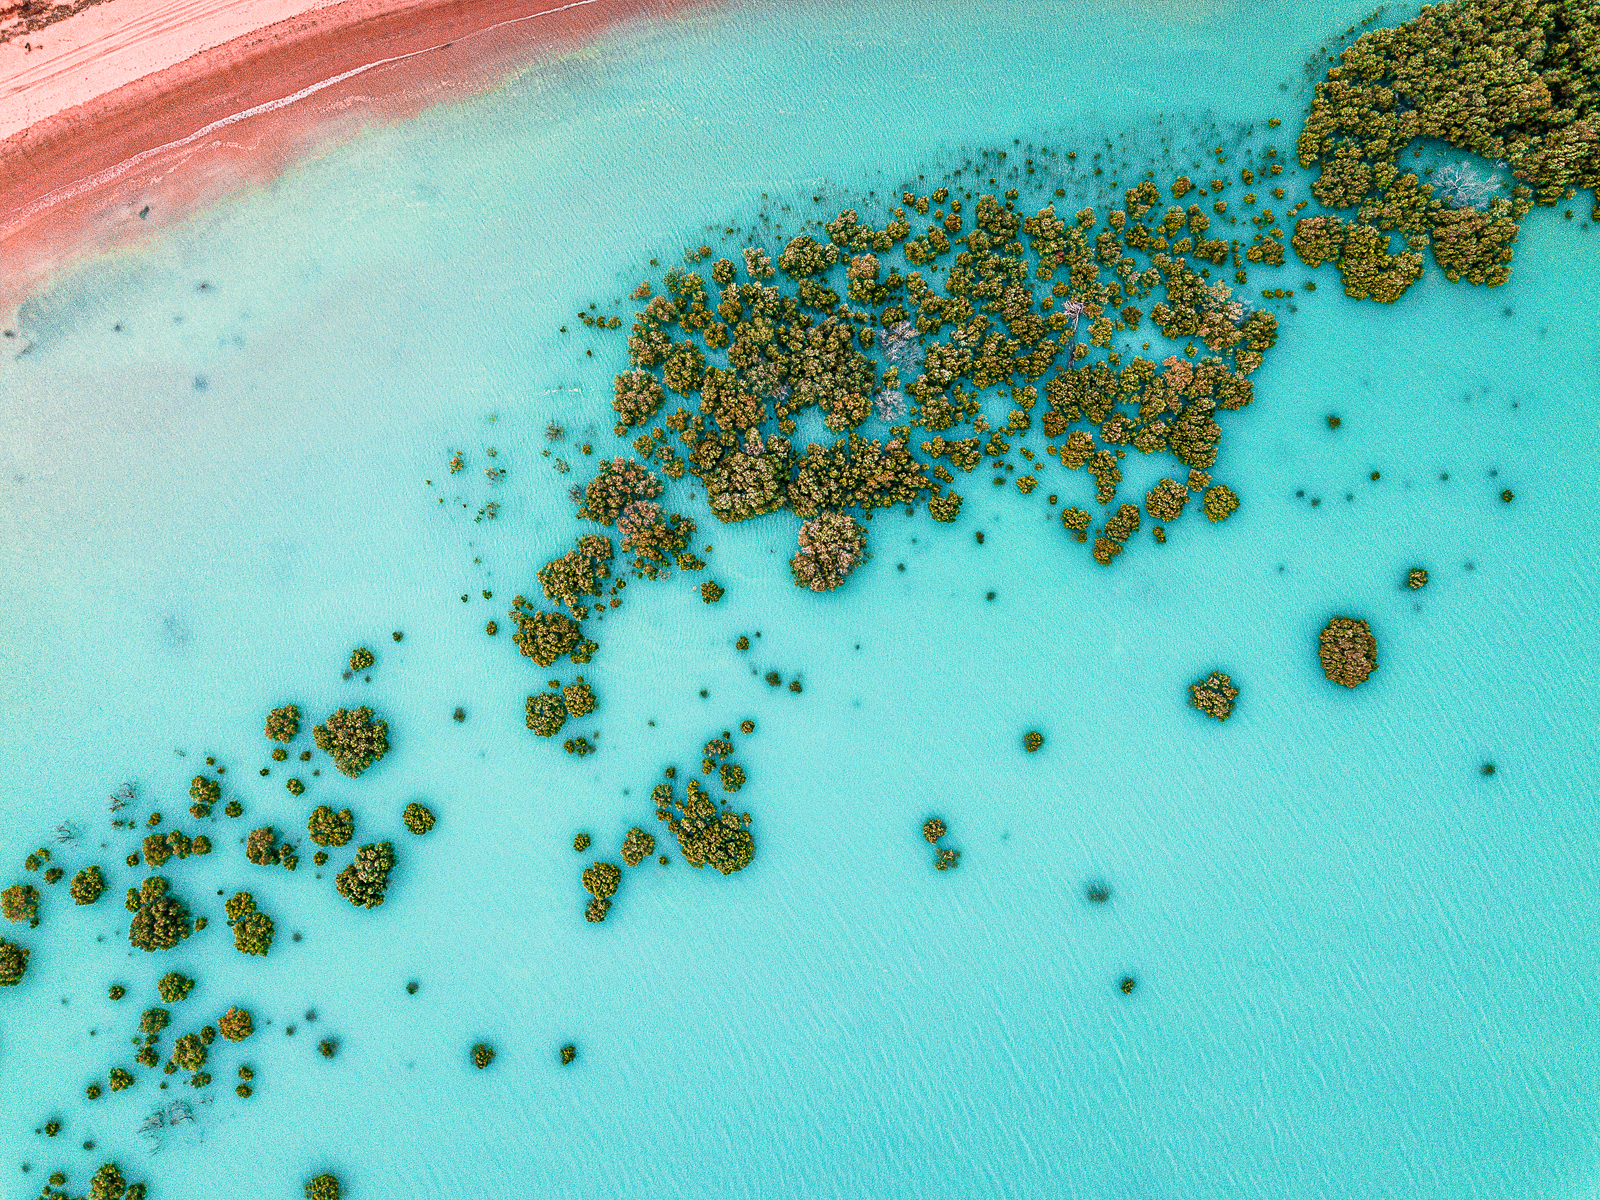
<point>58,57</point>
<point>92,174</point>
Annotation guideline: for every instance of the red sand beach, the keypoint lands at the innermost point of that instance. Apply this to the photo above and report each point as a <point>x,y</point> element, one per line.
<point>135,105</point>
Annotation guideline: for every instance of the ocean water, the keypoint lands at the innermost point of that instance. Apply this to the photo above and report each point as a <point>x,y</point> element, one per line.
<point>1365,968</point>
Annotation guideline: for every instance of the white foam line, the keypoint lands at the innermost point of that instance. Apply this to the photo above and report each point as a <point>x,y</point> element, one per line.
<point>68,190</point>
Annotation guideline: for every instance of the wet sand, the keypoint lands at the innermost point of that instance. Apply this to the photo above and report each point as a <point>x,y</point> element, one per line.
<point>103,171</point>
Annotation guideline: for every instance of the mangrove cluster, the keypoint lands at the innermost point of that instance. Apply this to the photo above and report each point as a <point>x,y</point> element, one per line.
<point>1515,83</point>
<point>708,833</point>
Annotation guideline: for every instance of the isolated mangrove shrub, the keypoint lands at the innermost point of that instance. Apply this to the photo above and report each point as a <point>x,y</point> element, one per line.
<point>236,1024</point>
<point>328,828</point>
<point>252,929</point>
<point>283,724</point>
<point>13,963</point>
<point>173,987</point>
<point>20,902</point>
<point>109,1183</point>
<point>546,713</point>
<point>354,738</point>
<point>261,847</point>
<point>189,1052</point>
<point>1214,695</point>
<point>600,880</point>
<point>160,920</point>
<point>579,698</point>
<point>1348,651</point>
<point>364,881</point>
<point>1219,502</point>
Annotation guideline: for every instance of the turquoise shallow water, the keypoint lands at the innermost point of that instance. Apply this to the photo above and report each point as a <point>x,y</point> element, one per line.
<point>1365,968</point>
